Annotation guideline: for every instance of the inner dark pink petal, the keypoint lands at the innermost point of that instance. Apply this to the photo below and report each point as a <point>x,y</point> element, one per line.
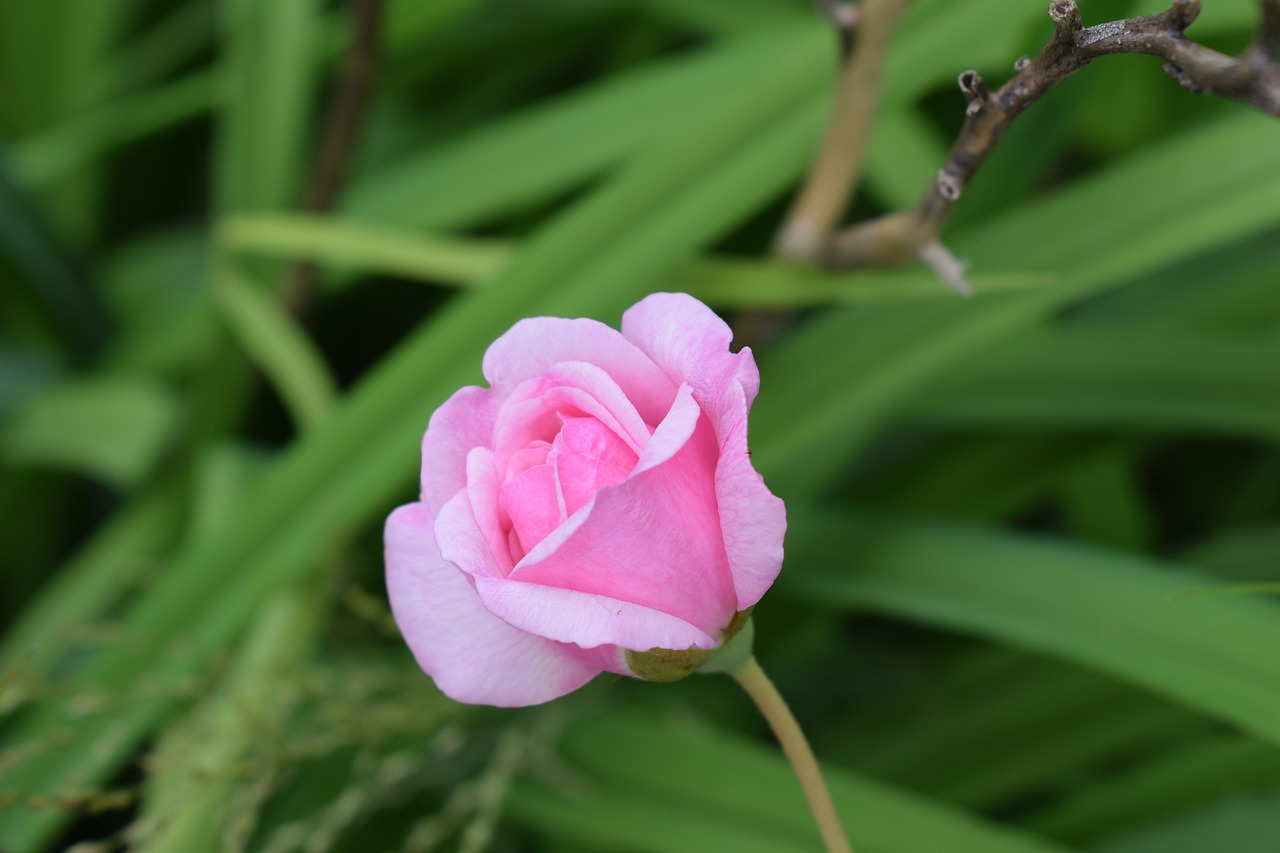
<point>588,456</point>
<point>535,453</point>
<point>534,505</point>
<point>654,539</point>
<point>524,422</point>
<point>537,411</point>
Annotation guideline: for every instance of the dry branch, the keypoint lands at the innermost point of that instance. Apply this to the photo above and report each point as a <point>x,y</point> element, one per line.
<point>342,128</point>
<point>864,33</point>
<point>1252,78</point>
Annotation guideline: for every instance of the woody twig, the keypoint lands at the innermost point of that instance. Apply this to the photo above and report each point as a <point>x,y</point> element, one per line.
<point>1252,78</point>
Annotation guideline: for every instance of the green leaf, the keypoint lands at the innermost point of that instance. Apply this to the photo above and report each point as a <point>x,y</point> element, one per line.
<point>21,374</point>
<point>657,787</point>
<point>264,125</point>
<point>1117,614</point>
<point>368,249</point>
<point>123,551</point>
<point>52,59</point>
<point>1241,825</point>
<point>727,17</point>
<point>191,801</point>
<point>548,149</point>
<point>54,153</point>
<point>34,258</point>
<point>467,262</point>
<point>1010,728</point>
<point>279,346</point>
<point>1196,773</point>
<point>1116,378</point>
<point>112,428</point>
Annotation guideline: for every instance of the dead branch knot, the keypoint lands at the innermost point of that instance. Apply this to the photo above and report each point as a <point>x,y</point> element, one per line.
<point>949,186</point>
<point>1181,15</point>
<point>1066,21</point>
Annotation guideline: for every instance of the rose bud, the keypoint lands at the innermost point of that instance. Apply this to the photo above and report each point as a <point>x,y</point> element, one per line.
<point>595,506</point>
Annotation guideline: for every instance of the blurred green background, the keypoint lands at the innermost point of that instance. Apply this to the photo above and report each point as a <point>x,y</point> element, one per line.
<point>1029,598</point>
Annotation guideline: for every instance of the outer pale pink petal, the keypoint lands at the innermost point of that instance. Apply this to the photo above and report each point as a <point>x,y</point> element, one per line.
<point>586,619</point>
<point>753,519</point>
<point>482,496</point>
<point>461,541</point>
<point>473,655</point>
<point>465,421</point>
<point>692,344</point>
<point>531,347</point>
<point>653,540</point>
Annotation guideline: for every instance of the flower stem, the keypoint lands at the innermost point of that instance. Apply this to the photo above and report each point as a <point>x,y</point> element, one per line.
<point>796,747</point>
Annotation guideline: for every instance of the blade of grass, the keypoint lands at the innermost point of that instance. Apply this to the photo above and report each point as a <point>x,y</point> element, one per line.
<point>22,373</point>
<point>725,784</point>
<point>190,801</point>
<point>1116,378</point>
<point>40,261</point>
<point>1012,735</point>
<point>476,175</point>
<point>50,155</point>
<point>460,261</point>
<point>1103,501</point>
<point>112,428</point>
<point>166,44</point>
<point>101,573</point>
<point>279,346</point>
<point>467,262</point>
<point>52,59</point>
<point>974,476</point>
<point>1104,610</point>
<point>269,80</point>
<point>1241,825</point>
<point>1196,774</point>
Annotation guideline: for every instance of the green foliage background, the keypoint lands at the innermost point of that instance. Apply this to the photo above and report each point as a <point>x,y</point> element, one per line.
<point>1028,603</point>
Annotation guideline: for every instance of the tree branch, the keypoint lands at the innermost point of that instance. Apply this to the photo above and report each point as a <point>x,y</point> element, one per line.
<point>342,128</point>
<point>1252,78</point>
<point>864,31</point>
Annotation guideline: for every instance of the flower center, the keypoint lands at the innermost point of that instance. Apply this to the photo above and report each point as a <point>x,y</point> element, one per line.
<point>546,482</point>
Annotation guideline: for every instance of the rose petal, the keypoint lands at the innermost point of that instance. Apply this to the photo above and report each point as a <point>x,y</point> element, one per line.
<point>690,342</point>
<point>534,504</point>
<point>535,453</point>
<point>601,397</point>
<point>585,619</point>
<point>752,519</point>
<point>473,655</point>
<point>462,542</point>
<point>532,346</point>
<point>587,457</point>
<point>653,539</point>
<point>482,496</point>
<point>537,409</point>
<point>465,421</point>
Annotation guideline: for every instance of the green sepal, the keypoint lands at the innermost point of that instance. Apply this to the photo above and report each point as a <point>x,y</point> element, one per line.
<point>675,664</point>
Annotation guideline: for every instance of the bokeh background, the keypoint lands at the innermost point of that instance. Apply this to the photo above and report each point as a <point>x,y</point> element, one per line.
<point>1029,600</point>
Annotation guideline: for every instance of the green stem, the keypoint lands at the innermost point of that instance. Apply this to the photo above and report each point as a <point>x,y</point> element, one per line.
<point>796,747</point>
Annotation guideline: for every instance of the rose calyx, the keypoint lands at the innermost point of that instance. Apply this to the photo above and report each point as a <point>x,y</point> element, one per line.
<point>678,664</point>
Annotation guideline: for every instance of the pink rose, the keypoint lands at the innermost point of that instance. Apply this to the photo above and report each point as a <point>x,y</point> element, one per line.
<point>597,498</point>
